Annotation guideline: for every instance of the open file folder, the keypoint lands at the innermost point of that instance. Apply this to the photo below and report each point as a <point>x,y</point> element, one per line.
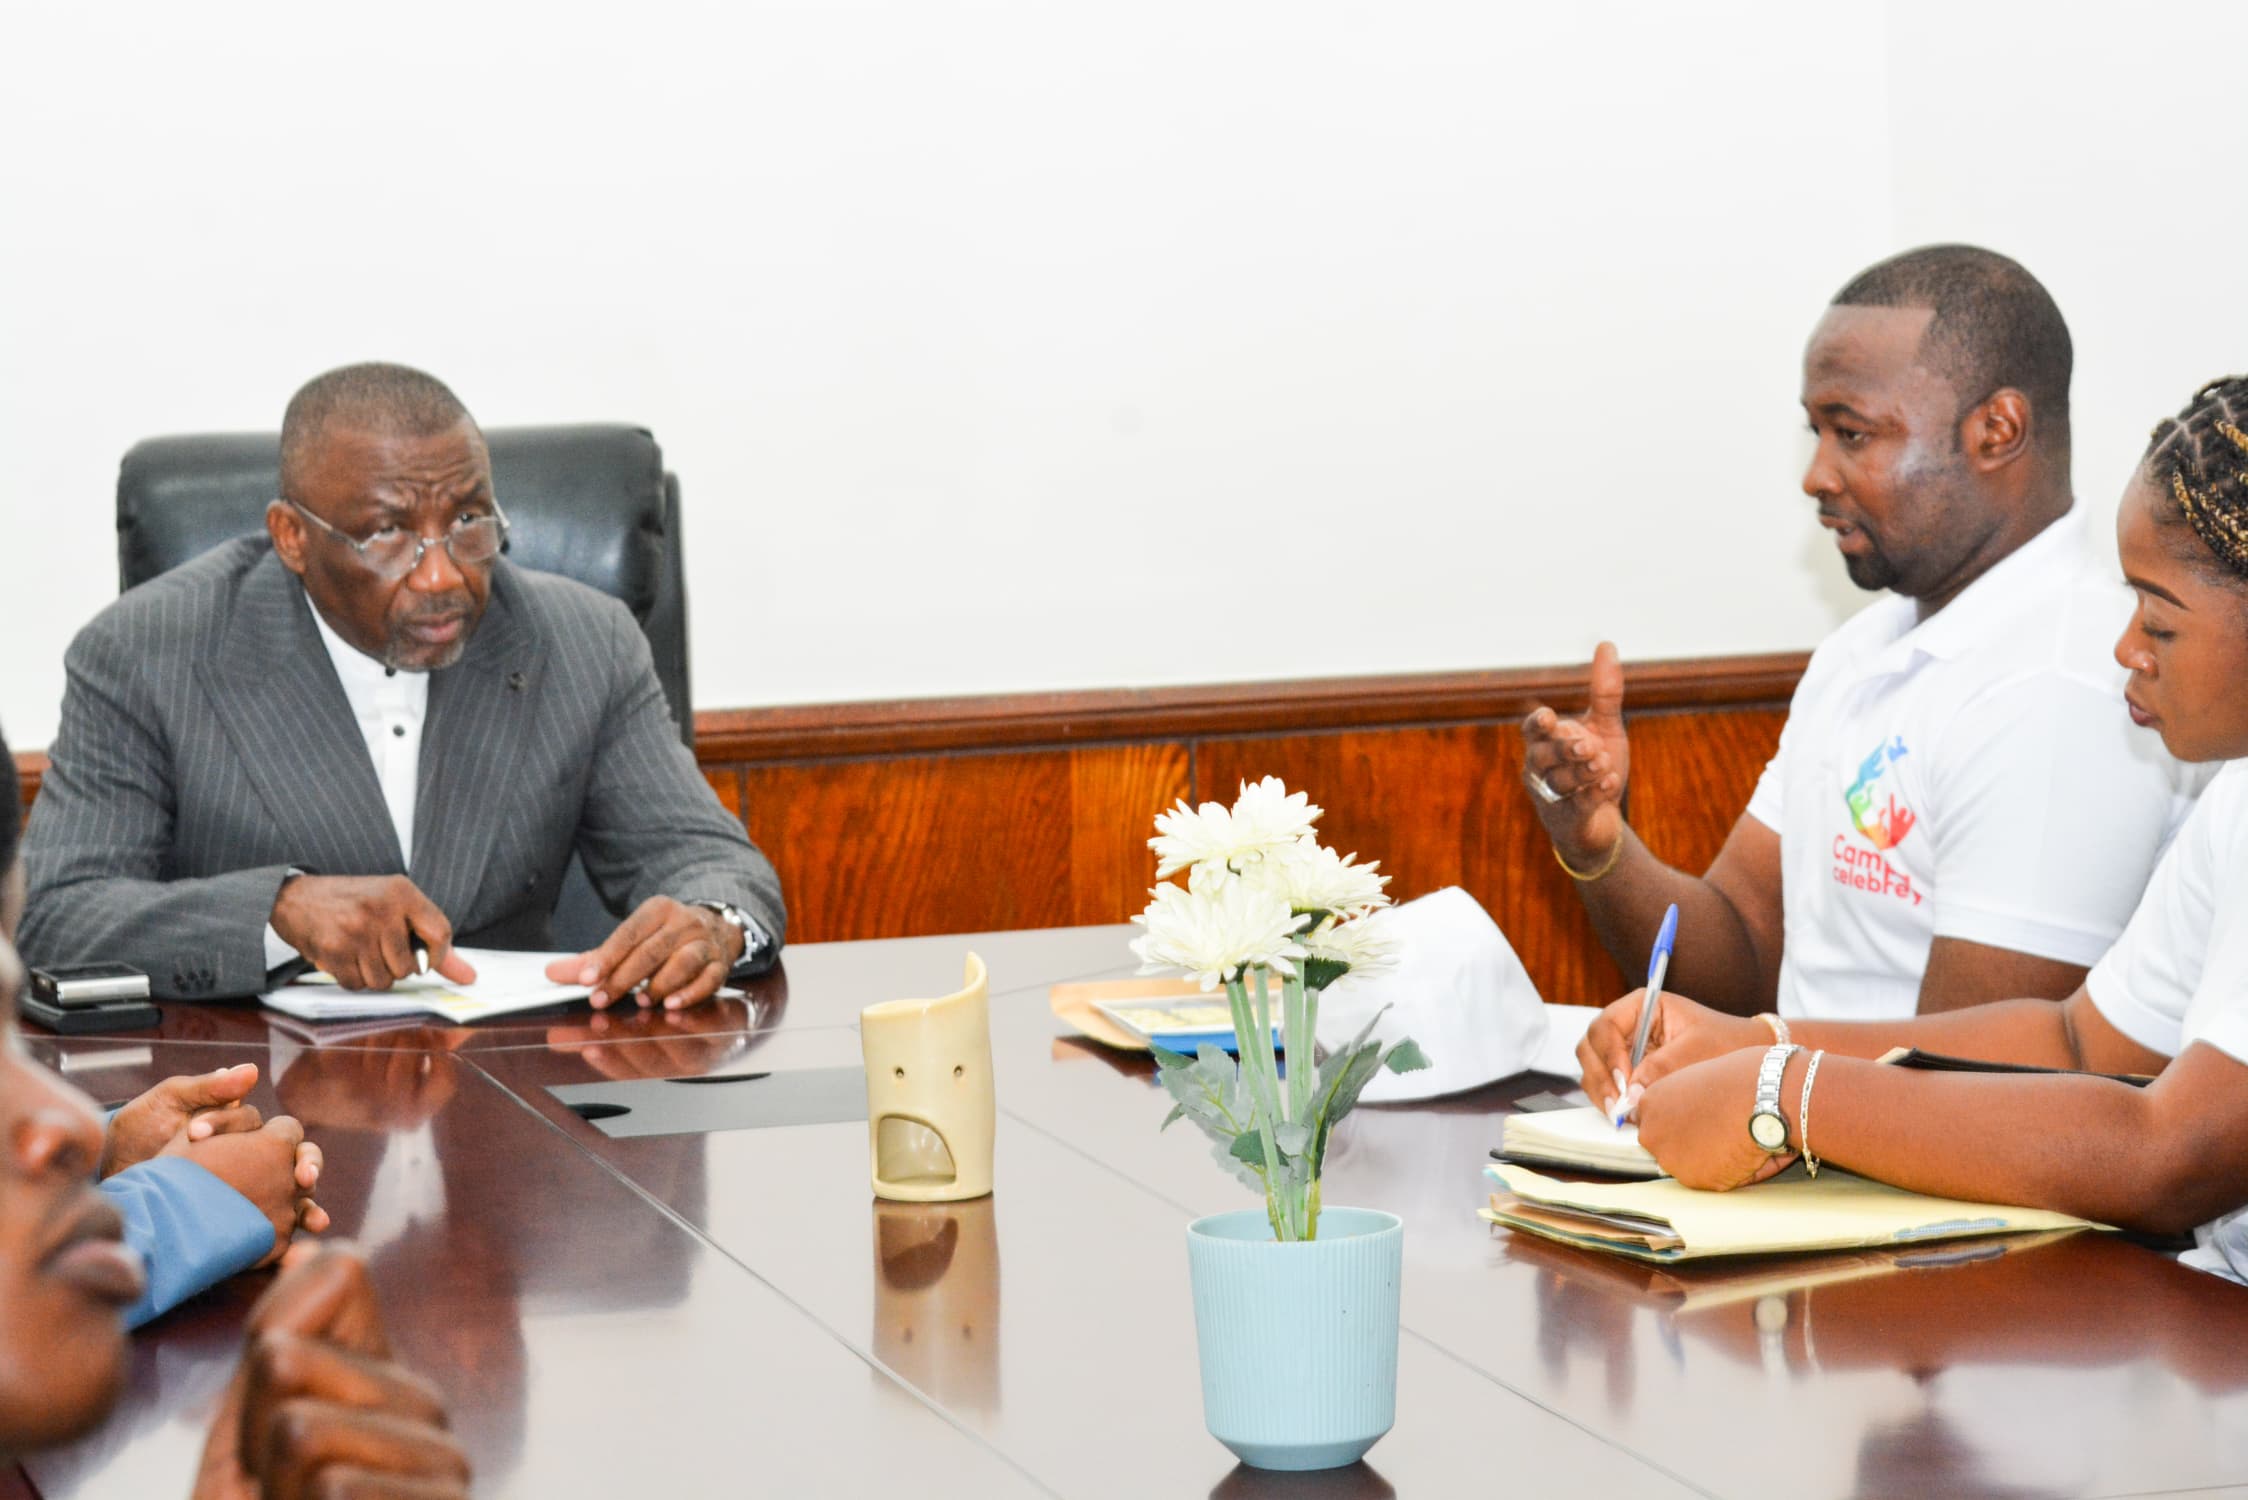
<point>1662,1221</point>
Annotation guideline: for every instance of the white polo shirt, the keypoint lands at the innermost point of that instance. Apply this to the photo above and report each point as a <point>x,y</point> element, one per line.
<point>2180,973</point>
<point>1974,775</point>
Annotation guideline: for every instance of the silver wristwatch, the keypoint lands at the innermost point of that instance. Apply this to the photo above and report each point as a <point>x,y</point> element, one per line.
<point>1766,1125</point>
<point>742,922</point>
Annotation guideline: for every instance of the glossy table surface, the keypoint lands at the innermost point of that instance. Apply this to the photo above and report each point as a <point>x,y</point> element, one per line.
<point>733,1312</point>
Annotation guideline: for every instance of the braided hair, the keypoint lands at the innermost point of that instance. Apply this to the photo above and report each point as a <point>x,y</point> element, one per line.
<point>2199,459</point>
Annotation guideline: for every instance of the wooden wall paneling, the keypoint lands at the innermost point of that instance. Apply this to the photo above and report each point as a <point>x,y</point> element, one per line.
<point>1692,775</point>
<point>823,731</point>
<point>915,844</point>
<point>1024,810</point>
<point>726,781</point>
<point>924,844</point>
<point>1115,793</point>
<point>1437,806</point>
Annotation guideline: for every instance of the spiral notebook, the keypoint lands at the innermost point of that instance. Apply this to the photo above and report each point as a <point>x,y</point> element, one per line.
<point>1577,1140</point>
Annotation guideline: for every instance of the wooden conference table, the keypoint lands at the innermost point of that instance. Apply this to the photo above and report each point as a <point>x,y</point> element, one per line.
<point>731,1312</point>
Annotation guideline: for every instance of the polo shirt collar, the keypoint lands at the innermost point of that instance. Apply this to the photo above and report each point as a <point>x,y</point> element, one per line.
<point>2010,584</point>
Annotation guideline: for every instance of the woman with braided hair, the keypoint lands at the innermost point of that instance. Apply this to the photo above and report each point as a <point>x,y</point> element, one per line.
<point>2170,998</point>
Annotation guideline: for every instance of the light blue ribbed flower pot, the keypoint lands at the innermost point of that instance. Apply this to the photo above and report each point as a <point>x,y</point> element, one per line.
<point>1298,1342</point>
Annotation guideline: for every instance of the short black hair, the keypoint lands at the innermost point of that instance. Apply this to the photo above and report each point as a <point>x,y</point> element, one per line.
<point>1995,326</point>
<point>11,812</point>
<point>2198,461</point>
<point>384,397</point>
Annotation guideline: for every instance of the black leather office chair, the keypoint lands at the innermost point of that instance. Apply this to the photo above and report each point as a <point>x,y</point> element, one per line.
<point>590,502</point>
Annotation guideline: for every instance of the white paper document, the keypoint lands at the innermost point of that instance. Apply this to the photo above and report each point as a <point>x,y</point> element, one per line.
<point>505,983</point>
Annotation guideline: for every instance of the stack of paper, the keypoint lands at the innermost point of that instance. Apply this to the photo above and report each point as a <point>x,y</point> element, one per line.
<point>1581,1140</point>
<point>505,983</point>
<point>1663,1221</point>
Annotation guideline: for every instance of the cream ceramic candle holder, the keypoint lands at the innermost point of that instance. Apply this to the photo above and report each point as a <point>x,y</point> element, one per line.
<point>928,1093</point>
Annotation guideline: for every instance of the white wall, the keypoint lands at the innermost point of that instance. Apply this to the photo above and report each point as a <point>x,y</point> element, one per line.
<point>1016,345</point>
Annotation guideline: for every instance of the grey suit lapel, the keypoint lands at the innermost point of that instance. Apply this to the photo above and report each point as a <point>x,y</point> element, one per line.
<point>480,711</point>
<point>275,692</point>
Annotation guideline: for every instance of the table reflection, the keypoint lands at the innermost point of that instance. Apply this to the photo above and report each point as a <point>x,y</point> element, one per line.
<point>936,1298</point>
<point>1358,1481</point>
<point>651,1042</point>
<point>1984,1339</point>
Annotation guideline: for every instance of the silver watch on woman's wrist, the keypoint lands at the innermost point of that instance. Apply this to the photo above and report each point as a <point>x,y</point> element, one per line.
<point>1766,1125</point>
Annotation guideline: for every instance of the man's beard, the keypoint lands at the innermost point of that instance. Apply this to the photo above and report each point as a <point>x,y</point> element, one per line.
<point>400,647</point>
<point>1872,571</point>
<point>395,657</point>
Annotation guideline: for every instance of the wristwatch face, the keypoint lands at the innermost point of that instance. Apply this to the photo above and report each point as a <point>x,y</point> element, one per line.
<point>1767,1130</point>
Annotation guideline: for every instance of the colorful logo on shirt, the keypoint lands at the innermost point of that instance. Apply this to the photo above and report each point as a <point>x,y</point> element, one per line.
<point>1887,828</point>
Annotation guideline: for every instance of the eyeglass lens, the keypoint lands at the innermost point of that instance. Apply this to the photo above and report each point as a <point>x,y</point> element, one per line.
<point>476,541</point>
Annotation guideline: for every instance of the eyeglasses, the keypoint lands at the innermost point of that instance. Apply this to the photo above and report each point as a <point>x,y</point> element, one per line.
<point>394,552</point>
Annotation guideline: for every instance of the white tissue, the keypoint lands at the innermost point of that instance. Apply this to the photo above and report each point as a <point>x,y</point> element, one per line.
<point>1457,989</point>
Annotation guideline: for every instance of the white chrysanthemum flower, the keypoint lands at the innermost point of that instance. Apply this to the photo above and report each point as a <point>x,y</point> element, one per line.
<point>1214,934</point>
<point>1265,817</point>
<point>1311,878</point>
<point>1270,816</point>
<point>1365,945</point>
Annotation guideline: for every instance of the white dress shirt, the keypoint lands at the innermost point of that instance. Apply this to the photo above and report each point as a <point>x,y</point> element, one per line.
<point>389,707</point>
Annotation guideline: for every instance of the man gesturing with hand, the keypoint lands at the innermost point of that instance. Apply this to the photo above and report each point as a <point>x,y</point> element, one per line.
<point>1898,855</point>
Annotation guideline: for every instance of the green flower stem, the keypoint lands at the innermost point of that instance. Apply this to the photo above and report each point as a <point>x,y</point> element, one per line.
<point>1263,1091</point>
<point>1299,1041</point>
<point>1303,1082</point>
<point>1280,1188</point>
<point>1288,1047</point>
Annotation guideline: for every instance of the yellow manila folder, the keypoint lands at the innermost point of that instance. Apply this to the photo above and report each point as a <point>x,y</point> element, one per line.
<point>1662,1221</point>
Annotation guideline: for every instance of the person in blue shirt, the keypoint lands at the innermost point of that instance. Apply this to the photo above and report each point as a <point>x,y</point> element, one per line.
<point>207,1186</point>
<point>317,1407</point>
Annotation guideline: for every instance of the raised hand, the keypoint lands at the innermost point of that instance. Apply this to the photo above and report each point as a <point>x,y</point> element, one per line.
<point>1583,766</point>
<point>360,929</point>
<point>669,952</point>
<point>318,1409</point>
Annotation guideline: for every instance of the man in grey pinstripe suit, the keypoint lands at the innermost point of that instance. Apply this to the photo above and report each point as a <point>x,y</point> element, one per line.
<point>367,730</point>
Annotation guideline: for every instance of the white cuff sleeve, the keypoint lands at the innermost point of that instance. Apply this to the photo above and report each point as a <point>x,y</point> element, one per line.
<point>277,950</point>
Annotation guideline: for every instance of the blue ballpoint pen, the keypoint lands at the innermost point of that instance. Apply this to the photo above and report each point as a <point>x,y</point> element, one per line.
<point>1658,964</point>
